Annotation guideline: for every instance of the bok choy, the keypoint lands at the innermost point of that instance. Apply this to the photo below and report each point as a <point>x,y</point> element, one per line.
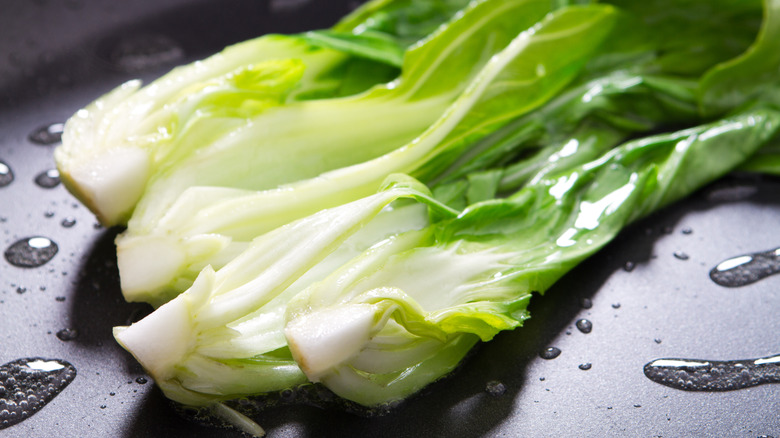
<point>360,206</point>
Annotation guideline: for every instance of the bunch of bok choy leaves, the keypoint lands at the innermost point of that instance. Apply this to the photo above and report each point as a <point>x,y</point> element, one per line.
<point>359,206</point>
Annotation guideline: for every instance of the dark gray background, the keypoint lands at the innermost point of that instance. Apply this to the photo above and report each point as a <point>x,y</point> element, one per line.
<point>55,58</point>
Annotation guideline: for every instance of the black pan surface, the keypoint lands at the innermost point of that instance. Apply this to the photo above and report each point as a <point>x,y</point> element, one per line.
<point>57,56</point>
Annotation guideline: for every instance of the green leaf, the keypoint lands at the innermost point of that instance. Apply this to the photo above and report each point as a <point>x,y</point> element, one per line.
<point>752,76</point>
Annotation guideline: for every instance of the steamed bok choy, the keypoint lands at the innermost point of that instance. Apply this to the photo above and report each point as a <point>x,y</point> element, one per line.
<point>359,206</point>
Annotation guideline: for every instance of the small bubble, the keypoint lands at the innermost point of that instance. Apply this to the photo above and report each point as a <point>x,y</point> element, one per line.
<point>584,325</point>
<point>68,222</point>
<point>20,290</point>
<point>550,353</point>
<point>141,380</point>
<point>657,341</point>
<point>48,214</point>
<point>586,303</point>
<point>495,388</point>
<point>616,305</point>
<point>112,394</point>
<point>681,255</point>
<point>49,134</point>
<point>687,230</point>
<point>542,379</point>
<point>103,406</point>
<point>629,266</point>
<point>585,366</point>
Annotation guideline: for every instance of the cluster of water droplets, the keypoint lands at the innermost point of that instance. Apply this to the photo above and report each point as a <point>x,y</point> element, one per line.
<point>712,375</point>
<point>27,385</point>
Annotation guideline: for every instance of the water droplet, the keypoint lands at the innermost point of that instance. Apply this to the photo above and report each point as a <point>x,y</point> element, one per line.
<point>586,303</point>
<point>6,174</point>
<point>711,375</point>
<point>31,252</point>
<point>48,179</point>
<point>681,255</point>
<point>26,388</point>
<point>141,380</point>
<point>67,334</point>
<point>657,341</point>
<point>68,222</point>
<point>746,269</point>
<point>550,353</point>
<point>585,366</point>
<point>616,305</point>
<point>287,395</point>
<point>542,379</point>
<point>142,52</point>
<point>103,406</point>
<point>584,325</point>
<point>495,388</point>
<point>60,299</point>
<point>637,406</point>
<point>629,266</point>
<point>20,290</point>
<point>112,394</point>
<point>687,230</point>
<point>46,135</point>
<point>48,214</point>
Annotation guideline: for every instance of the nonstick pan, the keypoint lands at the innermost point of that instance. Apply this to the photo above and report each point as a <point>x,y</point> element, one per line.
<point>647,296</point>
